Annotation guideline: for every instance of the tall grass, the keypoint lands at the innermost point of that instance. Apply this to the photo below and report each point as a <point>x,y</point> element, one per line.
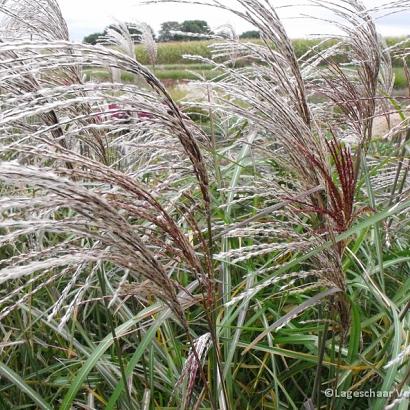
<point>149,262</point>
<point>173,52</point>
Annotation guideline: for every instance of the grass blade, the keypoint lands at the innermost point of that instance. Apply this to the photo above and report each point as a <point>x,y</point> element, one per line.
<point>23,387</point>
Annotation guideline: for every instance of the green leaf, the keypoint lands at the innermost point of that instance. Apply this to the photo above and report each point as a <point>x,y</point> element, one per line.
<point>389,378</point>
<point>353,350</point>
<point>134,360</point>
<point>97,354</point>
<point>312,301</point>
<point>377,233</point>
<point>21,384</point>
<point>108,341</point>
<point>89,365</point>
<point>355,332</point>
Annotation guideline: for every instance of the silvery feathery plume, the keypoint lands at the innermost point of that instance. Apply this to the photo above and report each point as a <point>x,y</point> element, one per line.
<point>118,34</point>
<point>354,89</point>
<point>303,139</point>
<point>86,149</point>
<point>230,48</point>
<point>399,359</point>
<point>37,20</point>
<point>189,372</point>
<point>148,41</point>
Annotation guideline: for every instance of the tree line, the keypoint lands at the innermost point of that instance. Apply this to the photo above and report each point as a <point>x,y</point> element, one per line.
<point>171,31</point>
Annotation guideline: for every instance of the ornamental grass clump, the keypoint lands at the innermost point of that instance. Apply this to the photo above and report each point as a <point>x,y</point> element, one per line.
<point>253,258</point>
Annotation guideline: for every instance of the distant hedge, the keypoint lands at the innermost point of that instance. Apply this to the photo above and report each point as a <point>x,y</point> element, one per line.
<point>172,52</point>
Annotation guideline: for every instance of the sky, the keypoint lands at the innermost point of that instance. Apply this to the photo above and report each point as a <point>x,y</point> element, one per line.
<point>88,16</point>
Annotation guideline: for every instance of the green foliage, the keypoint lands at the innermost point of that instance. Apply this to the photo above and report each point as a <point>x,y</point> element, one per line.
<point>166,32</point>
<point>188,26</point>
<point>195,26</point>
<point>400,79</point>
<point>93,38</point>
<point>250,34</point>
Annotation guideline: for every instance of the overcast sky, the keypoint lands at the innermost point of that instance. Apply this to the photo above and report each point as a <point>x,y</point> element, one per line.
<point>88,16</point>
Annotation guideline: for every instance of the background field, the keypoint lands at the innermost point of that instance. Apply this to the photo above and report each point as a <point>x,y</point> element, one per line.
<point>173,66</point>
<point>173,52</point>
